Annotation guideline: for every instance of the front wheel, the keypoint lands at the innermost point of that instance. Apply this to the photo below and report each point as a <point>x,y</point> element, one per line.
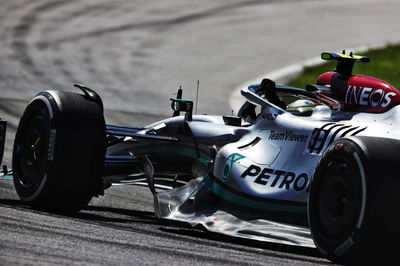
<point>59,151</point>
<point>354,198</point>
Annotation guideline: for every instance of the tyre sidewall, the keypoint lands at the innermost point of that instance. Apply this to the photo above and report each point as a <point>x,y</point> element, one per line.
<point>43,104</point>
<point>341,247</point>
<point>75,152</point>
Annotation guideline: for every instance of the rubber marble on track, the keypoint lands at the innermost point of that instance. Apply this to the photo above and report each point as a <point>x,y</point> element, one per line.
<point>135,54</point>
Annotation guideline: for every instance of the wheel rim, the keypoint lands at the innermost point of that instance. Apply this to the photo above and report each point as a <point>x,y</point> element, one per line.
<point>32,150</point>
<point>337,200</point>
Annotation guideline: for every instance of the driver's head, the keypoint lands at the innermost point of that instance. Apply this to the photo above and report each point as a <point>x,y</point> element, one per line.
<point>302,107</point>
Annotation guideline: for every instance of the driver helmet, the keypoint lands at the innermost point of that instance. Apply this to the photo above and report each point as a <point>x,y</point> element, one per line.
<point>302,107</point>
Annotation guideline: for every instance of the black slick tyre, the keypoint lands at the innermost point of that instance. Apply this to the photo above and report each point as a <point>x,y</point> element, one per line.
<point>59,150</point>
<point>353,199</point>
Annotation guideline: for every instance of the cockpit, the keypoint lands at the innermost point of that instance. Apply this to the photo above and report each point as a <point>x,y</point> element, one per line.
<point>298,102</point>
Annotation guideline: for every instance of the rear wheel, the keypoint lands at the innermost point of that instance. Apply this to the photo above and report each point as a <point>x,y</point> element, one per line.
<point>353,200</point>
<point>59,151</point>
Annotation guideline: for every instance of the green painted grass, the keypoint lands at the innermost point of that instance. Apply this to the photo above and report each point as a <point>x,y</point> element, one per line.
<point>385,65</point>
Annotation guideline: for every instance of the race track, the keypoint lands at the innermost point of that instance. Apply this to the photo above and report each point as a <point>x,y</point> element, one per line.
<point>136,54</point>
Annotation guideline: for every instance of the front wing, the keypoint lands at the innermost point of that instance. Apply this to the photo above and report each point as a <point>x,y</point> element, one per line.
<point>196,204</point>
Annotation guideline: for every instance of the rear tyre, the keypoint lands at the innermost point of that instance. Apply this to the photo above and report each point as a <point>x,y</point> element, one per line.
<point>353,200</point>
<point>59,151</point>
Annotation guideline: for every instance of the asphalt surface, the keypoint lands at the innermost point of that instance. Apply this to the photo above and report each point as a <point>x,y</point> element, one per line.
<point>135,54</point>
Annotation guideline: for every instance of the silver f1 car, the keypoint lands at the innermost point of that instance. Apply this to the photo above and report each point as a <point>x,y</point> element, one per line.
<point>308,167</point>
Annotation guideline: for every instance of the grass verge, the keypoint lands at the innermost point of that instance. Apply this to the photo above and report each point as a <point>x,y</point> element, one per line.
<point>385,65</point>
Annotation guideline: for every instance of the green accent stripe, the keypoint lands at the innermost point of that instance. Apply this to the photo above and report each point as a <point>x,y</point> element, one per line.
<point>250,203</point>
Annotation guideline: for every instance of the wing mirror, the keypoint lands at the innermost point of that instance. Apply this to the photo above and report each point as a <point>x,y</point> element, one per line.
<point>182,105</point>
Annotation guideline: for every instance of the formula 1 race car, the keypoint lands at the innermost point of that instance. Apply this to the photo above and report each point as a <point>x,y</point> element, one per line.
<point>308,167</point>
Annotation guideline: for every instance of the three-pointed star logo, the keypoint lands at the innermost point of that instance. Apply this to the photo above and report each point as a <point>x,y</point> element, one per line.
<point>227,168</point>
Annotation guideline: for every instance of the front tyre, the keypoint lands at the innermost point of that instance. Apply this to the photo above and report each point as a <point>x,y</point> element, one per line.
<point>353,200</point>
<point>59,151</point>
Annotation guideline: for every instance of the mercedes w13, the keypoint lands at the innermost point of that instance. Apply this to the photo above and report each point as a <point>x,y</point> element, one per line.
<point>313,166</point>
